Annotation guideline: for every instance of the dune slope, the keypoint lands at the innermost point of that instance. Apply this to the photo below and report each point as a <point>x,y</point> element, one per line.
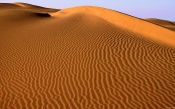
<point>167,24</point>
<point>151,31</point>
<point>84,57</point>
<point>25,6</point>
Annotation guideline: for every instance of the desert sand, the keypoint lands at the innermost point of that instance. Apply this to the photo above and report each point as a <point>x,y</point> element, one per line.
<point>84,57</point>
<point>167,24</point>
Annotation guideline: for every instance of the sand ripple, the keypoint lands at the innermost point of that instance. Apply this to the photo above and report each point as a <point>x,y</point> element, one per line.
<point>76,60</point>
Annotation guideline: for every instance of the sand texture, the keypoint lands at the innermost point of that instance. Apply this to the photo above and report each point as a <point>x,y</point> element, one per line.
<point>84,57</point>
<point>164,23</point>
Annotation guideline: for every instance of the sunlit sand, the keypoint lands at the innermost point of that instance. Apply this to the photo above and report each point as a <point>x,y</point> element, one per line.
<point>84,57</point>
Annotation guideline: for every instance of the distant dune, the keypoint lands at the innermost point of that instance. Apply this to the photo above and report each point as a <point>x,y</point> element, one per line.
<point>84,57</point>
<point>167,24</point>
<point>25,6</point>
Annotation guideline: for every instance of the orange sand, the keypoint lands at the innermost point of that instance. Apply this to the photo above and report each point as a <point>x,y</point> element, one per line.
<point>167,24</point>
<point>84,58</point>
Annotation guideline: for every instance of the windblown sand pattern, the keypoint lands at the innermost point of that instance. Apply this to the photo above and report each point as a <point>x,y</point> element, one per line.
<point>83,58</point>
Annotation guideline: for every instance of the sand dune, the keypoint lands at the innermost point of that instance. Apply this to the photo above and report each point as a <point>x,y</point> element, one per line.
<point>140,26</point>
<point>167,24</point>
<point>29,6</point>
<point>25,6</point>
<point>8,6</point>
<point>84,57</point>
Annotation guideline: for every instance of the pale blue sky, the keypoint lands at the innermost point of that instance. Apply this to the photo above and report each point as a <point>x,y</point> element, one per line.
<point>162,9</point>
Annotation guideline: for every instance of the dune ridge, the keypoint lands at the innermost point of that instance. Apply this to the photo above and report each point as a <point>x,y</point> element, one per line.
<point>167,24</point>
<point>84,58</point>
<point>24,6</point>
<point>140,26</point>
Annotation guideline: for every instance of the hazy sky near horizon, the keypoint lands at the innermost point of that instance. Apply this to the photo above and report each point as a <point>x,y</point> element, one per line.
<point>162,9</point>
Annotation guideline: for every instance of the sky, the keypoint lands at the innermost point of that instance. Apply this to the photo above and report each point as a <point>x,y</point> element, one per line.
<point>161,9</point>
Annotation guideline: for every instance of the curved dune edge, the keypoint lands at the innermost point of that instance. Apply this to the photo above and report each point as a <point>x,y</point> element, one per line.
<point>151,31</point>
<point>20,4</point>
<point>79,60</point>
<point>30,6</point>
<point>164,23</point>
<point>159,21</point>
<point>9,6</point>
<point>25,5</point>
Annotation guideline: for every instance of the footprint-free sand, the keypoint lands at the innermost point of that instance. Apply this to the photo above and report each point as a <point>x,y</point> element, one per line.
<point>84,57</point>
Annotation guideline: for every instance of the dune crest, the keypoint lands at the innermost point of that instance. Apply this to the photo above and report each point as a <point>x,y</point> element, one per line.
<point>83,58</point>
<point>8,6</point>
<point>167,24</point>
<point>154,32</point>
<point>25,5</point>
<point>21,4</point>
